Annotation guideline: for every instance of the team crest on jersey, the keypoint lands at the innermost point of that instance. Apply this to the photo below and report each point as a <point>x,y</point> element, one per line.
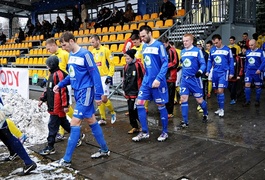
<point>101,54</point>
<point>217,60</point>
<point>186,62</point>
<point>251,60</point>
<point>147,60</point>
<point>71,71</point>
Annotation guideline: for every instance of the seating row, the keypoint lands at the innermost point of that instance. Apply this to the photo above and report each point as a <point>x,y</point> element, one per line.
<point>30,61</point>
<point>7,53</point>
<point>39,51</point>
<point>3,61</point>
<point>40,72</point>
<point>16,46</point>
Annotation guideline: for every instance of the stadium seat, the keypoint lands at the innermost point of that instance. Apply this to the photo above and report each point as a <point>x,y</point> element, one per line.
<point>156,34</point>
<point>154,16</point>
<point>75,33</point>
<point>79,40</point>
<point>17,52</point>
<point>41,37</point>
<point>81,32</point>
<point>35,51</point>
<point>105,30</point>
<point>112,37</point>
<point>116,60</point>
<point>133,26</point>
<point>35,61</point>
<point>114,48</point>
<point>56,35</point>
<point>90,48</point>
<point>120,47</point>
<point>125,27</point>
<point>98,30</point>
<point>120,37</point>
<point>105,38</point>
<point>85,40</point>
<point>151,24</point>
<point>123,61</point>
<point>168,23</point>
<point>45,51</point>
<point>86,32</point>
<point>146,17</point>
<point>127,35</point>
<point>140,24</point>
<point>92,31</point>
<point>30,62</point>
<point>181,12</point>
<point>111,29</point>
<point>39,52</point>
<point>138,18</point>
<point>40,61</point>
<point>159,24</point>
<point>118,28</point>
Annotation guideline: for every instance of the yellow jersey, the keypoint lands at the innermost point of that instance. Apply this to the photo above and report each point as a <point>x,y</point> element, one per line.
<point>238,49</point>
<point>104,61</point>
<point>63,59</point>
<point>139,53</point>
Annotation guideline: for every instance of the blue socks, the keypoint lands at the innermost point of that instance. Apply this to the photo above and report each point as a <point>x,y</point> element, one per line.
<point>164,117</point>
<point>72,142</point>
<point>204,107</point>
<point>185,111</point>
<point>98,134</point>
<point>247,93</point>
<point>142,117</point>
<point>221,100</point>
<point>258,92</point>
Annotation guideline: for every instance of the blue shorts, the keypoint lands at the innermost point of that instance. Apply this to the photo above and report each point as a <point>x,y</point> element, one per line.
<point>159,95</point>
<point>84,107</point>
<point>191,85</point>
<point>256,78</point>
<point>220,80</point>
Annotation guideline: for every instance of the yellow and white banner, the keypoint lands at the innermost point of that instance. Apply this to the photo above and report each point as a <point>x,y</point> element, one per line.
<point>14,81</point>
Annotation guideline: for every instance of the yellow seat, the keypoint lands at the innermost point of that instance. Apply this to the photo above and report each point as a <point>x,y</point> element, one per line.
<point>35,61</point>
<point>168,23</point>
<point>35,51</point>
<point>133,26</point>
<point>30,72</point>
<point>105,38</point>
<point>156,34</point>
<point>106,45</point>
<point>41,37</point>
<point>75,33</point>
<point>151,24</point>
<point>45,52</point>
<point>30,61</point>
<point>159,24</point>
<point>146,17</point>
<point>40,61</point>
<point>111,29</point>
<point>98,30</point>
<point>154,16</point>
<point>29,44</point>
<point>105,30</point>
<point>138,18</point>
<point>90,48</point>
<point>120,47</point>
<point>81,32</point>
<point>140,24</point>
<point>127,35</point>
<point>40,51</point>
<point>86,32</point>
<point>17,53</point>
<point>123,61</point>
<point>92,31</point>
<point>56,35</point>
<point>181,12</point>
<point>114,48</point>
<point>120,37</point>
<point>44,61</point>
<point>118,28</point>
<point>112,37</point>
<point>40,73</point>
<point>22,61</point>
<point>125,27</point>
<point>26,61</point>
<point>79,40</point>
<point>116,60</point>
<point>85,40</point>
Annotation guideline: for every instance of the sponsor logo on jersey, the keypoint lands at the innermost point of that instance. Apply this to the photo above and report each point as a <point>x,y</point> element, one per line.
<point>71,71</point>
<point>147,60</point>
<point>150,50</point>
<point>251,61</point>
<point>217,59</point>
<point>187,62</point>
<point>221,52</point>
<point>76,60</point>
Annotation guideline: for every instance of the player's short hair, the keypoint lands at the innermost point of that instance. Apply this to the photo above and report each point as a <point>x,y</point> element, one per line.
<point>209,42</point>
<point>95,36</point>
<point>66,36</point>
<point>51,41</point>
<point>135,36</point>
<point>233,37</point>
<point>216,36</point>
<point>146,28</point>
<point>164,39</point>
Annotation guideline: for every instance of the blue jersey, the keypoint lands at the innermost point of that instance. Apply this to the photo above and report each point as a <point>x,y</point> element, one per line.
<point>83,73</point>
<point>221,59</point>
<point>254,61</point>
<point>192,61</point>
<point>156,63</point>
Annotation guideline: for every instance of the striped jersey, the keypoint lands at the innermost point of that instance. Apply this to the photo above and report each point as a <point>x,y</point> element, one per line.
<point>254,60</point>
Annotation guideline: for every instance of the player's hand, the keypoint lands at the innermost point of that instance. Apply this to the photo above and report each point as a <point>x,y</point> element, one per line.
<point>108,80</point>
<point>207,74</point>
<point>155,84</point>
<point>98,102</point>
<point>43,83</point>
<point>66,110</point>
<point>257,72</point>
<point>56,89</point>
<point>198,74</point>
<point>230,76</point>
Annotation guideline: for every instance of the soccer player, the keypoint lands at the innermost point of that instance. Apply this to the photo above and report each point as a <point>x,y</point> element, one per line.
<point>254,65</point>
<point>233,44</point>
<point>106,67</point>
<point>193,66</point>
<point>63,56</point>
<point>222,61</point>
<point>154,85</point>
<point>85,80</point>
<point>208,46</point>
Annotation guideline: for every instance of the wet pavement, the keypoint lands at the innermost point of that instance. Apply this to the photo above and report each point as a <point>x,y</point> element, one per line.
<point>225,148</point>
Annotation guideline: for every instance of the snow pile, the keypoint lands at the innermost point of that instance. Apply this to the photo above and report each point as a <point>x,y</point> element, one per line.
<point>29,118</point>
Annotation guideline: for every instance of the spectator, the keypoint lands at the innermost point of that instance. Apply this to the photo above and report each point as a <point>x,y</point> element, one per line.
<point>76,13</point>
<point>115,16</point>
<point>68,26</point>
<point>128,14</point>
<point>59,24</point>
<point>2,38</point>
<point>99,21</point>
<point>37,30</point>
<point>245,40</point>
<point>106,17</point>
<point>21,36</point>
<point>84,15</point>
<point>233,44</point>
<point>168,10</point>
<point>31,28</point>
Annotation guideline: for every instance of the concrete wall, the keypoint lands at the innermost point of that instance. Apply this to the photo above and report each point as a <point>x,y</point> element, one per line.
<point>227,30</point>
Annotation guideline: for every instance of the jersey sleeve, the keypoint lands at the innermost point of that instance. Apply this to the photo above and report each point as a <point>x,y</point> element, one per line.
<point>231,63</point>
<point>111,63</point>
<point>202,62</point>
<point>163,58</point>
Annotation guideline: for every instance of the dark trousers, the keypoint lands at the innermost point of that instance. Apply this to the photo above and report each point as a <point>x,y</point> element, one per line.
<point>171,94</point>
<point>5,135</point>
<point>133,114</point>
<point>53,126</point>
<point>205,86</point>
<point>232,87</point>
